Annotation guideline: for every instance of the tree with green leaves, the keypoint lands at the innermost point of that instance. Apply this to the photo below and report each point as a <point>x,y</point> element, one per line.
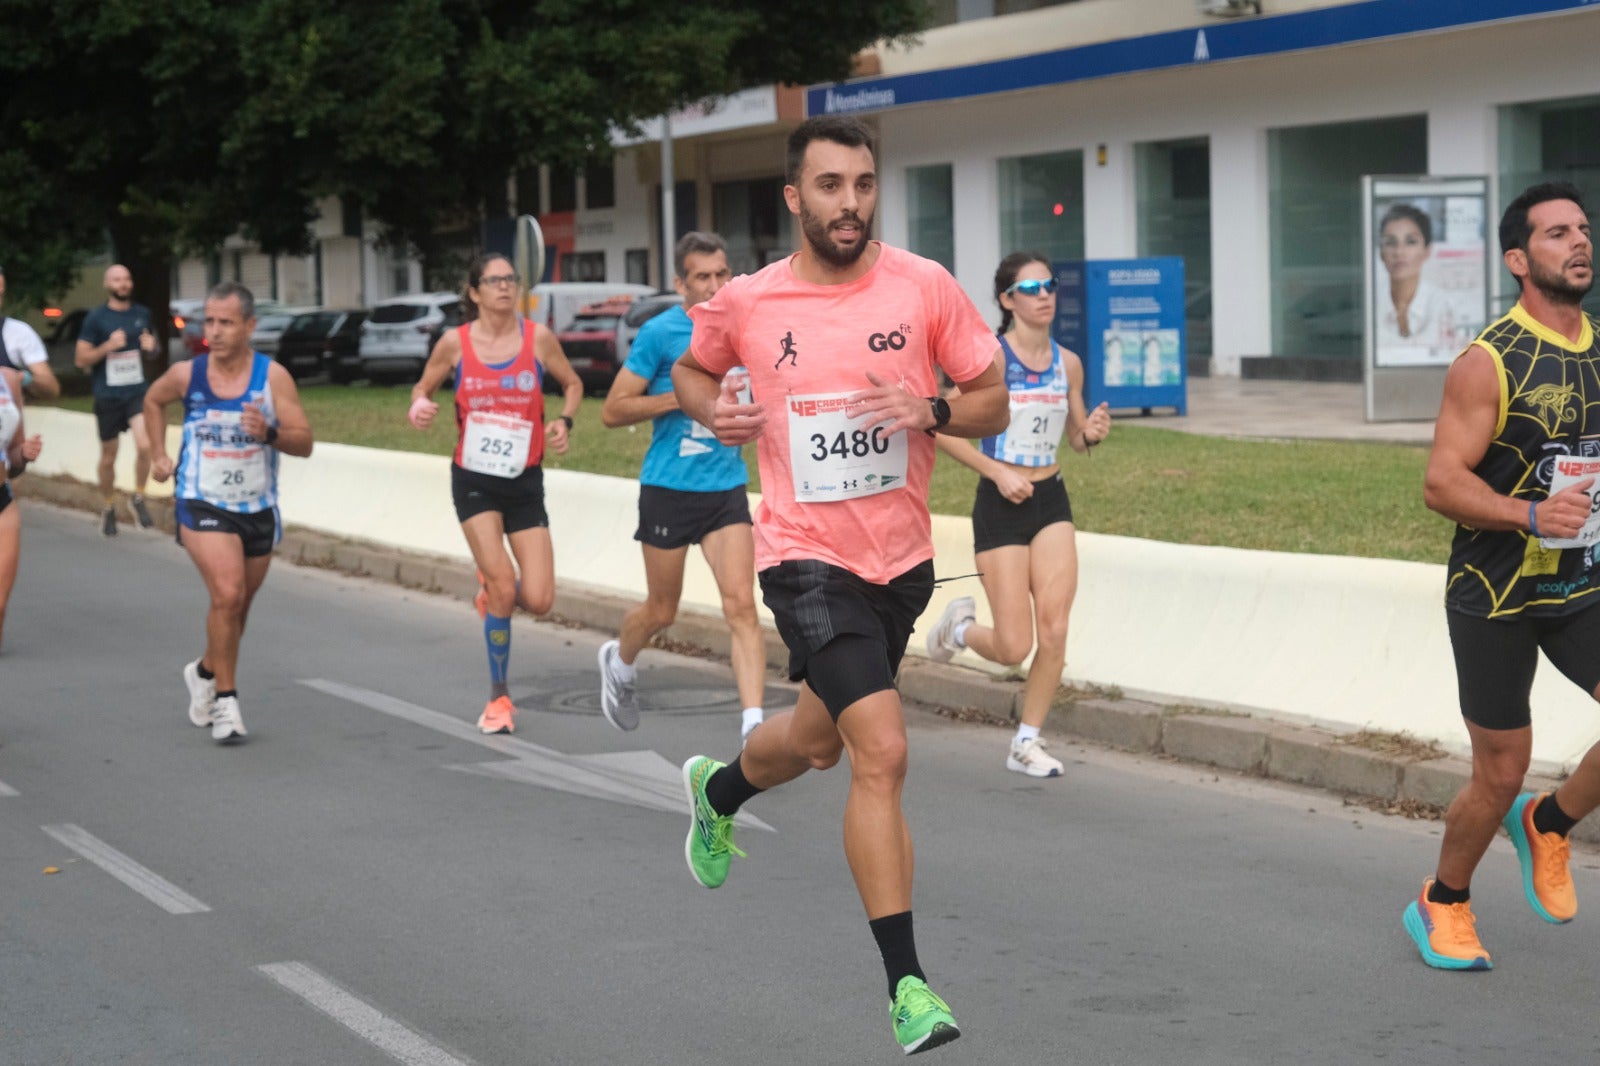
<point>163,128</point>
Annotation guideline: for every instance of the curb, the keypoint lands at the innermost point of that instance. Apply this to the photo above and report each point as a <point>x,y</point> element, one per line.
<point>1400,775</point>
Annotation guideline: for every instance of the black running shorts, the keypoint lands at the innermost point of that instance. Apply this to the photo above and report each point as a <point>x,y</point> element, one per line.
<point>113,415</point>
<point>860,629</point>
<point>673,518</point>
<point>1495,660</point>
<point>520,499</point>
<point>997,522</point>
<point>259,532</point>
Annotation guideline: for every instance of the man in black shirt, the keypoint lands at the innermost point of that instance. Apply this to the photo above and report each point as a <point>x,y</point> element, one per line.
<point>116,338</point>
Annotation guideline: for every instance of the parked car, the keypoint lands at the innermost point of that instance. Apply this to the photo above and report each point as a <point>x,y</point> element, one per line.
<point>270,325</point>
<point>307,345</point>
<point>400,332</point>
<point>643,310</point>
<point>590,343</point>
<point>558,303</point>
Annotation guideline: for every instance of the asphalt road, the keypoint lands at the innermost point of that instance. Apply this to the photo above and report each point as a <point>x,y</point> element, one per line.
<point>368,881</point>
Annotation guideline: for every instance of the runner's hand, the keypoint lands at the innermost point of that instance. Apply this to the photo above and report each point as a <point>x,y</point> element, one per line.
<point>1098,425</point>
<point>161,467</point>
<point>1563,515</point>
<point>422,412</point>
<point>891,404</point>
<point>31,446</point>
<point>253,422</point>
<point>118,339</point>
<point>147,342</point>
<point>555,432</point>
<point>736,423</point>
<point>1012,485</point>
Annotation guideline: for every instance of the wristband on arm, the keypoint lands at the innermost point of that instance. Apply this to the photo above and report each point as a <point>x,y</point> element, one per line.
<point>1533,521</point>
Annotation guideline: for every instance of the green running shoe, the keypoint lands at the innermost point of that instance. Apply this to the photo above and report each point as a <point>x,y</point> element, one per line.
<point>709,848</point>
<point>921,1019</point>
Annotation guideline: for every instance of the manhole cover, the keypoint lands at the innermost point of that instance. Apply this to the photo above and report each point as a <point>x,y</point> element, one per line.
<point>660,692</point>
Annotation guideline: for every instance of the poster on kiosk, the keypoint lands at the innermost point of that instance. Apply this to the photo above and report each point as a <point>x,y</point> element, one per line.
<point>1124,318</point>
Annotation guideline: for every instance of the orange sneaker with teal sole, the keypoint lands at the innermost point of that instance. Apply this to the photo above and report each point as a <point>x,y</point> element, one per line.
<point>1546,880</point>
<point>1445,933</point>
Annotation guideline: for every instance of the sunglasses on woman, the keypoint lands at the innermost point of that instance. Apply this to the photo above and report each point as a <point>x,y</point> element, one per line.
<point>1033,287</point>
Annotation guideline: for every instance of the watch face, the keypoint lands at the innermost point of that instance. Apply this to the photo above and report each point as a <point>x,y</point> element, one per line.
<point>941,410</point>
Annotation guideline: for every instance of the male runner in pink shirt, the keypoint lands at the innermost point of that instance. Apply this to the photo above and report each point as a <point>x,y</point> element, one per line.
<point>841,341</point>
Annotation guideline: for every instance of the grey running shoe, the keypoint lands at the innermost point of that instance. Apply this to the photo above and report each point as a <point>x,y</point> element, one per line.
<point>617,699</point>
<point>141,513</point>
<point>226,725</point>
<point>202,694</point>
<point>108,522</point>
<point>942,646</point>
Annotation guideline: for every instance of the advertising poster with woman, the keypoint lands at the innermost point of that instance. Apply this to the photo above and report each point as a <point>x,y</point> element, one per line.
<point>1429,279</point>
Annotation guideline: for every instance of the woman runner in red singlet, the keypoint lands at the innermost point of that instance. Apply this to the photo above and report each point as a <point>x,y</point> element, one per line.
<point>498,360</point>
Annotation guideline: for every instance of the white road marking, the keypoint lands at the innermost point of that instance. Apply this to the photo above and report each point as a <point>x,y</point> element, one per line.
<point>399,1041</point>
<point>7,790</point>
<point>158,890</point>
<point>638,778</point>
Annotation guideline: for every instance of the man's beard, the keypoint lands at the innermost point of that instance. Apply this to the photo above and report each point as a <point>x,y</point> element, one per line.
<point>122,294</point>
<point>1556,288</point>
<point>816,234</point>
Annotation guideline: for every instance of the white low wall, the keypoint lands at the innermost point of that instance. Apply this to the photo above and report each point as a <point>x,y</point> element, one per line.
<point>1348,643</point>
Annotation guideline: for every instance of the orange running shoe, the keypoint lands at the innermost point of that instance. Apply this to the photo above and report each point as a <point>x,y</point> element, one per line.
<point>1445,933</point>
<point>480,602</point>
<point>1546,881</point>
<point>497,716</point>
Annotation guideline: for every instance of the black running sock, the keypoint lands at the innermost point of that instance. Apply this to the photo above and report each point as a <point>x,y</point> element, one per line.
<point>727,790</point>
<point>205,675</point>
<point>231,692</point>
<point>898,948</point>
<point>1439,892</point>
<point>1548,817</point>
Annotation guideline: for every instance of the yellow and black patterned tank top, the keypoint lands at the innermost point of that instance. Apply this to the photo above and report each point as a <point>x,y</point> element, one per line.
<point>1549,407</point>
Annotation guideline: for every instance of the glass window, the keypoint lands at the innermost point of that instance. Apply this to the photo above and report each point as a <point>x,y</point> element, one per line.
<point>1548,140</point>
<point>583,266</point>
<point>1174,182</point>
<point>1315,204</point>
<point>636,266</point>
<point>930,213</point>
<point>599,185</point>
<point>754,221</point>
<point>1041,204</point>
<point>563,189</point>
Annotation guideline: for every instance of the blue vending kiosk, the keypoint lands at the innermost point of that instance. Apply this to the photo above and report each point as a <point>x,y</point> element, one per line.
<point>1124,318</point>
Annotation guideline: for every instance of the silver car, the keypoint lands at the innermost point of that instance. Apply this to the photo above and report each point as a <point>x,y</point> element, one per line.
<point>398,336</point>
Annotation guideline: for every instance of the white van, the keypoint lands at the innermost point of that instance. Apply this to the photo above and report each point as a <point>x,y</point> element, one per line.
<point>557,303</point>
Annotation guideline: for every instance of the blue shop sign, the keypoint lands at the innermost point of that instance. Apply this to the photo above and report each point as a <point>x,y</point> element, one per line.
<point>1125,319</point>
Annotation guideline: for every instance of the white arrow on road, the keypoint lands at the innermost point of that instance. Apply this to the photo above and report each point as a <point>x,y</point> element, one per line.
<point>638,778</point>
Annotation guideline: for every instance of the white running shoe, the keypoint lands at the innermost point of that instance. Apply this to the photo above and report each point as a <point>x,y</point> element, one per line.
<point>1029,757</point>
<point>202,694</point>
<point>942,646</point>
<point>617,699</point>
<point>226,725</point>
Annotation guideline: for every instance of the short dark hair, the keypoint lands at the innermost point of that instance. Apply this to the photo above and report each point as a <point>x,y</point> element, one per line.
<point>1515,229</point>
<point>1411,213</point>
<point>247,299</point>
<point>840,129</point>
<point>695,242</point>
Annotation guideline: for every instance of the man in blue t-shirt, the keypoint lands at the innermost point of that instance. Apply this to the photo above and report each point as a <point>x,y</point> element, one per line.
<point>691,491</point>
<point>112,347</point>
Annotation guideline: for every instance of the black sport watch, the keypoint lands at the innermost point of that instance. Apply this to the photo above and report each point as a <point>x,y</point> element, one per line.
<point>941,414</point>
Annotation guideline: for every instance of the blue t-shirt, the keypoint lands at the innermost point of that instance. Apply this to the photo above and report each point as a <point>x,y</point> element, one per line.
<point>683,454</point>
<point>98,326</point>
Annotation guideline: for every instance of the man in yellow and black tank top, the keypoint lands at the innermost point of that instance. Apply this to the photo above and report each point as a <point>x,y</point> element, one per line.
<point>1524,396</point>
<point>1549,406</point>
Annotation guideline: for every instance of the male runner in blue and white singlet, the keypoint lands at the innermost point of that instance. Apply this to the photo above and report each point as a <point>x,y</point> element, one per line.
<point>240,410</point>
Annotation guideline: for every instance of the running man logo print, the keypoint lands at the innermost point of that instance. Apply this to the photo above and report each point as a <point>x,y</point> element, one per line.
<point>788,351</point>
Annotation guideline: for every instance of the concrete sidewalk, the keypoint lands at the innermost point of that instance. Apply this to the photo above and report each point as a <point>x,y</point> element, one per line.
<point>1281,410</point>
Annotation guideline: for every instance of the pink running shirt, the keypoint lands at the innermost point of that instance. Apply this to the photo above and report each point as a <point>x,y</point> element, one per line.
<point>830,492</point>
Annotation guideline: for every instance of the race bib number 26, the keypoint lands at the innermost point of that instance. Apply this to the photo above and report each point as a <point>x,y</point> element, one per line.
<point>832,457</point>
